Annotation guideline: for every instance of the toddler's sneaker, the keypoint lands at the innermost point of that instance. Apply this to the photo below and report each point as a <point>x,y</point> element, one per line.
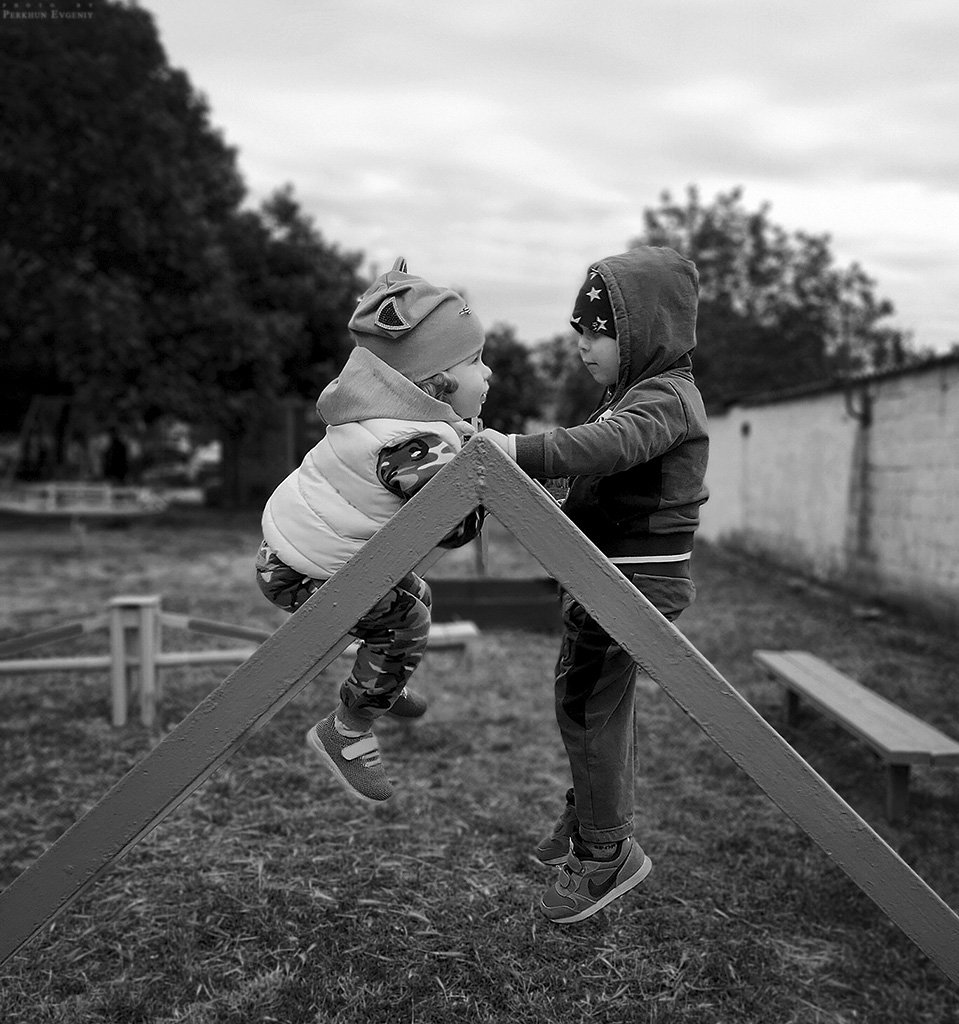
<point>554,848</point>
<point>585,885</point>
<point>409,704</point>
<point>353,760</point>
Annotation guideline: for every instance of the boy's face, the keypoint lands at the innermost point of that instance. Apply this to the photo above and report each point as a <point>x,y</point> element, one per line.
<point>473,376</point>
<point>600,355</point>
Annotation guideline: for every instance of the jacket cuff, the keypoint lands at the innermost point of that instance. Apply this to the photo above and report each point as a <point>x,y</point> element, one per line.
<point>531,453</point>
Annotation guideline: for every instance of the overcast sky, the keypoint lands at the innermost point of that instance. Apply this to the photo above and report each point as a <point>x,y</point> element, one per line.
<point>502,146</point>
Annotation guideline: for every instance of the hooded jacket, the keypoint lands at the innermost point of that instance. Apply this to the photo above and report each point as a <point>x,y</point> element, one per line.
<point>637,465</point>
<point>336,500</point>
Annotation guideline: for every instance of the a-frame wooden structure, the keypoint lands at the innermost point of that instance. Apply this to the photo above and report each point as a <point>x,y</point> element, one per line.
<point>296,652</point>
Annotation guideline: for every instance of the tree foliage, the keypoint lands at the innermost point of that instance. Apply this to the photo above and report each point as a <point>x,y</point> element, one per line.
<point>775,309</point>
<point>302,289</point>
<point>131,279</point>
<point>515,394</point>
<point>569,393</point>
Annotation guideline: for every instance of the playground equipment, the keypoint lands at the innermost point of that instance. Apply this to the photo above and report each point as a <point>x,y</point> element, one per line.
<point>292,656</point>
<point>899,738</point>
<point>69,500</point>
<point>135,625</point>
<point>53,443</point>
<point>495,602</point>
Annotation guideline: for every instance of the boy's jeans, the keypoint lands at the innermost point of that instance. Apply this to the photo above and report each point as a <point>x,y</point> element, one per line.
<point>393,635</point>
<point>595,684</point>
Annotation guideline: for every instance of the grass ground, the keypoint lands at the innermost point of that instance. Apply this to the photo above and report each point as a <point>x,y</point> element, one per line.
<point>268,896</point>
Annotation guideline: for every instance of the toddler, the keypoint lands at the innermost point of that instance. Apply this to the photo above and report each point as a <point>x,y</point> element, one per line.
<point>636,470</point>
<point>395,416</point>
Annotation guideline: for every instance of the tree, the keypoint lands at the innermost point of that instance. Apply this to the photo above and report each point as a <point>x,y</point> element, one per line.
<point>569,393</point>
<point>113,183</point>
<point>132,281</point>
<point>775,310</point>
<point>515,394</point>
<point>302,288</point>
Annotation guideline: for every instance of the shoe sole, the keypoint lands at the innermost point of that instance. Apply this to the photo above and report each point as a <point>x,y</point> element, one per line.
<point>317,748</point>
<point>613,894</point>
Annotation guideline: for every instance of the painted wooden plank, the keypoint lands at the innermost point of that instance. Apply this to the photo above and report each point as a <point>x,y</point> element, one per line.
<point>719,710</point>
<point>864,713</point>
<point>442,634</point>
<point>71,663</point>
<point>252,694</point>
<point>53,635</point>
<point>213,628</point>
<point>248,698</point>
<point>896,734</point>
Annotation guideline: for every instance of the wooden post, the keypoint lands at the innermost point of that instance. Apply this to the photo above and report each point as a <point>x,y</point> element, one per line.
<point>147,622</point>
<point>792,707</point>
<point>897,792</point>
<point>118,663</point>
<point>133,631</point>
<point>480,545</point>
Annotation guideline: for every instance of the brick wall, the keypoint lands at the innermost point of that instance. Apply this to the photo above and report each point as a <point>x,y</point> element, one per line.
<point>858,486</point>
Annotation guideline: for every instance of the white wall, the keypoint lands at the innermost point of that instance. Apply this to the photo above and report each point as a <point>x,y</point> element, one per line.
<point>802,481</point>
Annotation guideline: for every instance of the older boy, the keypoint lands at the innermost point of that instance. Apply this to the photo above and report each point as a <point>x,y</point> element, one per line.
<point>637,467</point>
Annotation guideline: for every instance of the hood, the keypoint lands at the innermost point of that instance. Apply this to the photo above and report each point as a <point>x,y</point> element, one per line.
<point>367,388</point>
<point>660,289</point>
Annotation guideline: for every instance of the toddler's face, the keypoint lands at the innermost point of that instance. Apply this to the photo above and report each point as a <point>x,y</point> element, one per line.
<point>600,355</point>
<point>473,376</point>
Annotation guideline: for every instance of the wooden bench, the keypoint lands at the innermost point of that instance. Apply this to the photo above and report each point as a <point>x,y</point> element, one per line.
<point>899,738</point>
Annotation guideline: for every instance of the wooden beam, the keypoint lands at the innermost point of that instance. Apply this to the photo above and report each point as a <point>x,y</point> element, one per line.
<point>260,687</point>
<point>719,710</point>
<point>247,699</point>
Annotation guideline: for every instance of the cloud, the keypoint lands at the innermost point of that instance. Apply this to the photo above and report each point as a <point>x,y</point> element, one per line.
<point>508,144</point>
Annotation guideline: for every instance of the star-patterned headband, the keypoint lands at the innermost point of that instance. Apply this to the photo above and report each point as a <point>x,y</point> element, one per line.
<point>592,310</point>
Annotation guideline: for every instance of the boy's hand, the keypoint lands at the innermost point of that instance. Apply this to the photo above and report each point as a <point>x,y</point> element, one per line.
<point>499,439</point>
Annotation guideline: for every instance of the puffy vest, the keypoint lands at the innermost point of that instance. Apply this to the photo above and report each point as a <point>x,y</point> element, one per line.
<point>330,506</point>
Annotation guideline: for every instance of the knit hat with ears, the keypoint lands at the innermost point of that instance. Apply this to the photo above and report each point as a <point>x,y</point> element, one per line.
<point>415,327</point>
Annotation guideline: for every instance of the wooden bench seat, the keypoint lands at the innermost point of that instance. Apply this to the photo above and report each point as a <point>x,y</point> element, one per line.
<point>898,737</point>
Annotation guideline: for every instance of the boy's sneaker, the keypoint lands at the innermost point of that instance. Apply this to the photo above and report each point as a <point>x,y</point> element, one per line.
<point>554,848</point>
<point>585,885</point>
<point>353,760</point>
<point>409,704</point>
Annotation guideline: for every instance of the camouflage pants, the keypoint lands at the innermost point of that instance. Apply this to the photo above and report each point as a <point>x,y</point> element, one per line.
<point>393,634</point>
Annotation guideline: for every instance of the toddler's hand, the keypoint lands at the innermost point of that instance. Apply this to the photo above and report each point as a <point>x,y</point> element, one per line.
<point>499,439</point>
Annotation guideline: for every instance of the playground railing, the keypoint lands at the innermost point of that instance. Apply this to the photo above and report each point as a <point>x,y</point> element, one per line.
<point>135,625</point>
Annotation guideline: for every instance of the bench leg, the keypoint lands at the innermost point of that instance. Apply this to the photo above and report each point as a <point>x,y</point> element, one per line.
<point>897,791</point>
<point>792,707</point>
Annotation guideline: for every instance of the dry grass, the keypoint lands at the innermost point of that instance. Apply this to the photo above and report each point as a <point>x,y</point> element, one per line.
<point>270,896</point>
